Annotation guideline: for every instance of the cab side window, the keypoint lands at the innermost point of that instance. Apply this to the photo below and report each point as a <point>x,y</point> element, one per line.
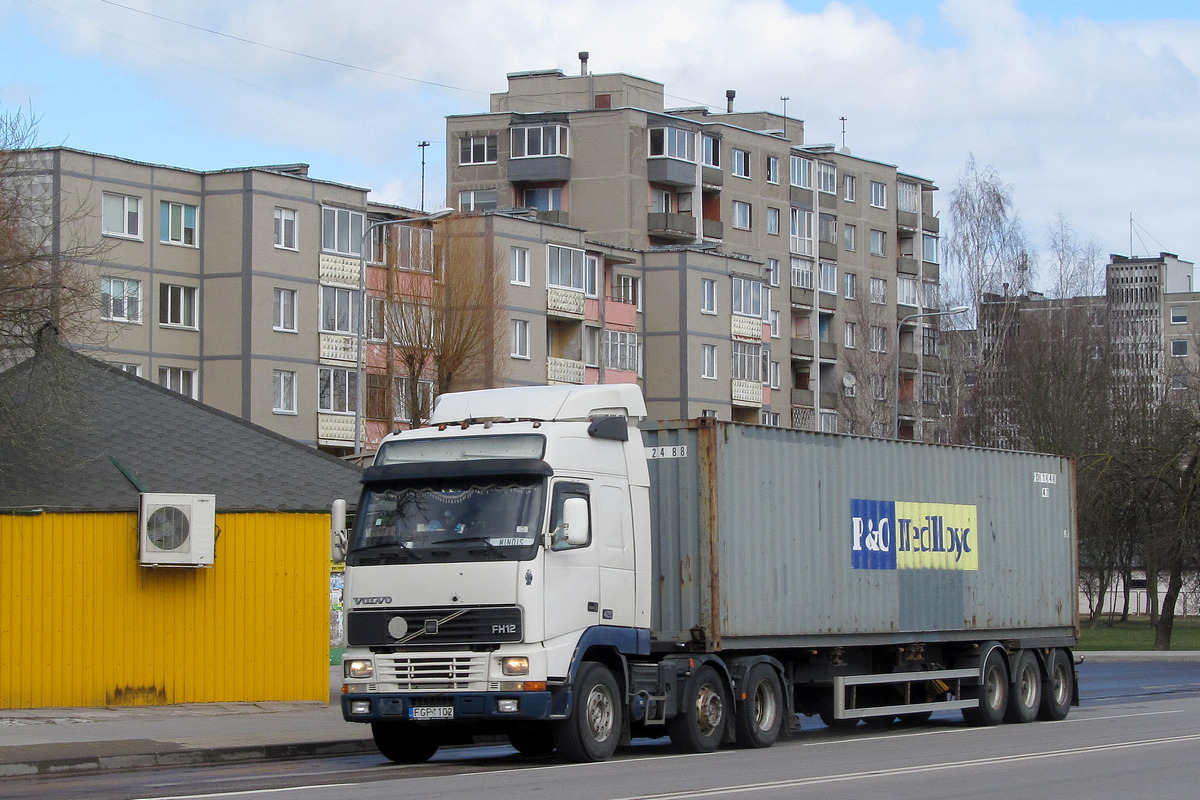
<point>562,492</point>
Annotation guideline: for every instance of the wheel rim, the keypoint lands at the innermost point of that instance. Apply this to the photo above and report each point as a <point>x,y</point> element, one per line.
<point>765,708</point>
<point>1059,684</point>
<point>994,689</point>
<point>600,713</point>
<point>1028,686</point>
<point>710,710</point>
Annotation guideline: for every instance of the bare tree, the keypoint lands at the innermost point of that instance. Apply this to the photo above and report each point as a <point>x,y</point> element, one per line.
<point>1075,269</point>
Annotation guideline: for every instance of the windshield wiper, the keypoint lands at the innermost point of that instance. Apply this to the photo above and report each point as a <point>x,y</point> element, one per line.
<point>469,539</point>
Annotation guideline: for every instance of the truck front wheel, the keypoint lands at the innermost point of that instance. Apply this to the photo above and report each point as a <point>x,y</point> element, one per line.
<point>404,742</point>
<point>593,729</point>
<point>703,708</point>
<point>760,714</point>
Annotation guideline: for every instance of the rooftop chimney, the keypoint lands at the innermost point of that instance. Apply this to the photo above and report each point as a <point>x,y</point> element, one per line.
<point>729,95</point>
<point>583,58</point>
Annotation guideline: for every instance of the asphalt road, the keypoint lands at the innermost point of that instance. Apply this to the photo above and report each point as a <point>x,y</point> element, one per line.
<point>1136,734</point>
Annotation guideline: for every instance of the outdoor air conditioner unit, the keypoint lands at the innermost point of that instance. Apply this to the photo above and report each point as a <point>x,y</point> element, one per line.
<point>177,530</point>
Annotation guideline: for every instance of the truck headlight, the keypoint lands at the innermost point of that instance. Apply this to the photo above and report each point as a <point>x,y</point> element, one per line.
<point>359,668</point>
<point>514,665</point>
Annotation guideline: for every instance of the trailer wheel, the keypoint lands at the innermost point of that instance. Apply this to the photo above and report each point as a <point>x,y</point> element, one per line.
<point>593,729</point>
<point>760,714</point>
<point>835,724</point>
<point>1026,696</point>
<point>532,740</point>
<point>700,724</point>
<point>404,742</point>
<point>992,692</point>
<point>1059,688</point>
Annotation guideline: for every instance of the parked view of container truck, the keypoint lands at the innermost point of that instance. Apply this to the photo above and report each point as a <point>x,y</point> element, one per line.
<point>546,564</point>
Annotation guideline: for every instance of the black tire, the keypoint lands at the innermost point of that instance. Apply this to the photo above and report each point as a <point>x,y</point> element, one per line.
<point>703,713</point>
<point>1059,688</point>
<point>593,729</point>
<point>760,714</point>
<point>915,718</point>
<point>992,692</point>
<point>835,724</point>
<point>532,740</point>
<point>404,742</point>
<point>1025,696</point>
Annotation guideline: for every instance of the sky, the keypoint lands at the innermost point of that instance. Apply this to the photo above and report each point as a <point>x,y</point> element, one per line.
<point>1088,111</point>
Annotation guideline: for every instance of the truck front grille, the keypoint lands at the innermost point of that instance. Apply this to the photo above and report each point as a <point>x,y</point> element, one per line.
<point>433,672</point>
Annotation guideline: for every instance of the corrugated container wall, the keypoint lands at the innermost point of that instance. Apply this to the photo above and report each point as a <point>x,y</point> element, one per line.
<point>756,542</point>
<point>83,624</point>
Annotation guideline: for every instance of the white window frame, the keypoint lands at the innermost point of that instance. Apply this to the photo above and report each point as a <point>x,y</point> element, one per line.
<point>283,392</point>
<point>879,291</point>
<point>178,306</point>
<point>668,142</point>
<point>592,344</point>
<point>773,170</point>
<point>626,289</point>
<point>342,303</point>
<point>850,237</point>
<point>400,410</point>
<point>878,194</point>
<point>128,225</point>
<point>286,228</point>
<point>879,338</point>
<point>623,351</point>
<point>849,188</point>
<point>485,143</point>
<point>550,139</point>
<point>802,273</point>
<point>908,197</point>
<point>335,399</point>
<point>878,242</point>
<point>283,309</point>
<point>711,151</point>
<point>575,276</point>
<point>478,200</point>
<point>849,335</point>
<point>518,274</point>
<point>741,215</point>
<point>1179,315</point>
<point>520,339</point>
<point>131,289</point>
<point>773,318</point>
<point>774,380</point>
<point>772,221</point>
<point>850,285</point>
<point>708,296</point>
<point>827,228</point>
<point>171,213</point>
<point>929,249</point>
<point>181,380</point>
<point>1179,348</point>
<point>801,172</point>
<point>747,298</point>
<point>746,362</point>
<point>739,162</point>
<point>342,231</point>
<point>543,198</point>
<point>132,369</point>
<point>772,271</point>
<point>907,291</point>
<point>708,362</point>
<point>801,242</point>
<point>826,177</point>
<point>827,278</point>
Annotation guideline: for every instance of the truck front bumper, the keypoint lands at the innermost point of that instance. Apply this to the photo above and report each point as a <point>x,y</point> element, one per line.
<point>462,707</point>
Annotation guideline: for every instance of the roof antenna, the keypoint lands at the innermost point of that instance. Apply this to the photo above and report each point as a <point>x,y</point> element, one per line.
<point>785,98</point>
<point>843,119</point>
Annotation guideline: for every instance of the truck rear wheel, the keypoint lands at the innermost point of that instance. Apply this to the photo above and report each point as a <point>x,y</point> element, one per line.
<point>703,713</point>
<point>1059,689</point>
<point>593,729</point>
<point>760,714</point>
<point>992,692</point>
<point>404,742</point>
<point>1026,696</point>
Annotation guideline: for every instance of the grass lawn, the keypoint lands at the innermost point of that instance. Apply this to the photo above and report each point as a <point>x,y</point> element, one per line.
<point>1136,634</point>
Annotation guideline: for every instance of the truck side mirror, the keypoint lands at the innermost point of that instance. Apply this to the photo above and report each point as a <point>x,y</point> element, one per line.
<point>337,524</point>
<point>572,530</point>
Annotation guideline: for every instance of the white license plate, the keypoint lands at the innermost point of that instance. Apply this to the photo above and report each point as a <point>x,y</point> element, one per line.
<point>431,712</point>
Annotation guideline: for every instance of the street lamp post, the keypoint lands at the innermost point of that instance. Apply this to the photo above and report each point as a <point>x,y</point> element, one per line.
<point>359,389</point>
<point>896,382</point>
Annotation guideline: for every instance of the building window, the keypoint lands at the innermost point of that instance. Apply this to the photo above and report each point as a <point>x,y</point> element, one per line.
<point>772,169</point>
<point>177,224</point>
<point>773,318</point>
<point>931,388</point>
<point>879,339</point>
<point>283,391</point>
<point>285,228</point>
<point>773,380</point>
<point>827,228</point>
<point>121,299</point>
<point>177,305</point>
<point>850,237</point>
<point>547,198</point>
<point>711,151</point>
<point>477,149</point>
<point>284,310</point>
<point>339,311</point>
<point>850,285</point>
<point>739,163</point>
<point>342,231</point>
<point>477,200</point>
<point>929,341</point>
<point>131,369</point>
<point>401,410</point>
<point>747,298</point>
<point>121,216</point>
<point>826,177</point>
<point>850,384</point>
<point>801,172</point>
<point>849,188</point>
<point>622,351</point>
<point>708,296</point>
<point>627,289</point>
<point>673,143</point>
<point>772,271</point>
<point>519,266</point>
<point>337,390</point>
<point>747,362</point>
<point>1179,347</point>
<point>661,201</point>
<point>537,141</point>
<point>878,290</point>
<point>878,243</point>
<point>741,215</point>
<point>929,248</point>
<point>377,321</point>
<point>878,389</point>
<point>849,334</point>
<point>931,298</point>
<point>708,361</point>
<point>827,282</point>
<point>1179,315</point>
<point>566,268</point>
<point>908,198</point>
<point>802,232</point>
<point>769,418</point>
<point>520,338</point>
<point>906,291</point>
<point>878,194</point>
<point>179,380</point>
<point>773,221</point>
<point>802,273</point>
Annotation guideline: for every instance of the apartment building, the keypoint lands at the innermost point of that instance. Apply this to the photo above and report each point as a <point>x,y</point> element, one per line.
<point>239,288</point>
<point>775,281</point>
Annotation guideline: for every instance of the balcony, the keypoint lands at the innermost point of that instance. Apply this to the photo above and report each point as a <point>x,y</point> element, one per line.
<point>828,351</point>
<point>829,400</point>
<point>930,223</point>
<point>804,418</point>
<point>802,296</point>
<point>906,265</point>
<point>827,200</point>
<point>671,171</point>
<point>566,303</point>
<point>713,229</point>
<point>565,370</point>
<point>671,226</point>
<point>747,394</point>
<point>931,271</point>
<point>828,251</point>
<point>712,176</point>
<point>907,220</point>
<point>802,348</point>
<point>804,397</point>
<point>827,301</point>
<point>337,347</point>
<point>541,168</point>
<point>335,429</point>
<point>908,361</point>
<point>746,328</point>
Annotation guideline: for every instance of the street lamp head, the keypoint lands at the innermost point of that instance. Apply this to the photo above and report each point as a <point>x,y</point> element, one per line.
<point>958,310</point>
<point>441,212</point>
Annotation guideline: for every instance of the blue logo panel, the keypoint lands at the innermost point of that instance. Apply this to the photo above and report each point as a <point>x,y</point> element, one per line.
<point>873,532</point>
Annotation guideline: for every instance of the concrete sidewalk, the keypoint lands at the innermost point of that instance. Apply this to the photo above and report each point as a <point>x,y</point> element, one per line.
<point>65,740</point>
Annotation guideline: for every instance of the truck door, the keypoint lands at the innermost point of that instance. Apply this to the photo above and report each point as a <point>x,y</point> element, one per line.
<point>613,535</point>
<point>572,571</point>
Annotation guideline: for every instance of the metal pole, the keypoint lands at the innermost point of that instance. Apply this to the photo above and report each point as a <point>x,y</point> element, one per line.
<point>896,381</point>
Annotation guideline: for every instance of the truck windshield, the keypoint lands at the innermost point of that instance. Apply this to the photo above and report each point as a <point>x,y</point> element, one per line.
<point>449,519</point>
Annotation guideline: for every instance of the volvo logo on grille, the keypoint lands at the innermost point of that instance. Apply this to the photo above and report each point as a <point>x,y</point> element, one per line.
<point>397,627</point>
<point>431,626</point>
<point>378,600</point>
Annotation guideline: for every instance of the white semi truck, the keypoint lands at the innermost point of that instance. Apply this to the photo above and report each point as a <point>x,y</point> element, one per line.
<point>545,563</point>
